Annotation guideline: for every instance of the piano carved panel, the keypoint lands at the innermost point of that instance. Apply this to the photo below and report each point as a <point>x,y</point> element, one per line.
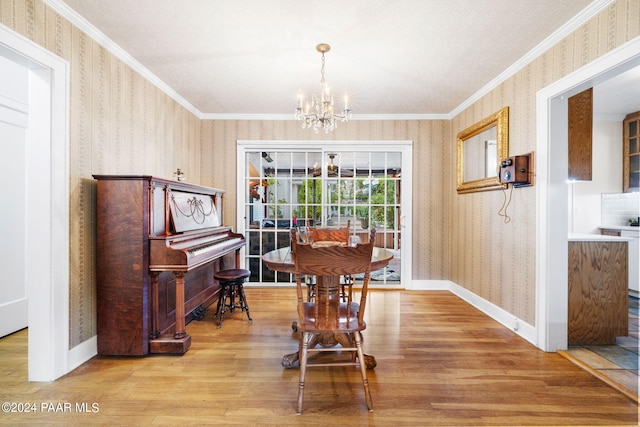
<point>159,243</point>
<point>189,211</point>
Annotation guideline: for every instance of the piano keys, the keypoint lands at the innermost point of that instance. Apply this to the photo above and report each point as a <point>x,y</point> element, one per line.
<point>159,242</point>
<point>172,254</point>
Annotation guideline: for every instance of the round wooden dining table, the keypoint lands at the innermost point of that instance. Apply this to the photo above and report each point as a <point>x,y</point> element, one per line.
<point>281,260</point>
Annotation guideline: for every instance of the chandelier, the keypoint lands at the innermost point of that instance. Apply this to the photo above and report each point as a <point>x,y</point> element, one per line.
<point>319,113</point>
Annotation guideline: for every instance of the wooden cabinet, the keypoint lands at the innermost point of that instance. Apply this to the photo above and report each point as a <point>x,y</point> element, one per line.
<point>631,153</point>
<point>598,302</point>
<point>581,136</point>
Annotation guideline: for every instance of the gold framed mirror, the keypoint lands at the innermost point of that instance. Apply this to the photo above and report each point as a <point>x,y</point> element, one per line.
<point>480,148</point>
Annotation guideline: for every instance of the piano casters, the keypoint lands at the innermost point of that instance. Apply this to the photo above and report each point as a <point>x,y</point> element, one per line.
<point>231,286</point>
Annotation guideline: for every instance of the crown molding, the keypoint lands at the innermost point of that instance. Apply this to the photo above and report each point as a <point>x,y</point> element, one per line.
<point>400,116</point>
<point>241,116</point>
<point>85,26</point>
<point>570,26</point>
<point>354,117</point>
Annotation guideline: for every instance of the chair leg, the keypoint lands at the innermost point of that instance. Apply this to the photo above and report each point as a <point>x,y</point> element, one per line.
<point>243,301</point>
<point>363,370</point>
<point>304,346</point>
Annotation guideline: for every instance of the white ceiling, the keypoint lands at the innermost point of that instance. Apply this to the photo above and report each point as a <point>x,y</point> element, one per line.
<point>402,57</point>
<point>613,99</point>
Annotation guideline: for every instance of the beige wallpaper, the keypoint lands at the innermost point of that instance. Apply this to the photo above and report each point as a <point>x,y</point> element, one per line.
<point>120,123</point>
<point>491,258</point>
<point>431,186</point>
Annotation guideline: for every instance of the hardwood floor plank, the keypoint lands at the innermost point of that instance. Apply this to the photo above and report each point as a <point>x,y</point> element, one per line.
<point>440,362</point>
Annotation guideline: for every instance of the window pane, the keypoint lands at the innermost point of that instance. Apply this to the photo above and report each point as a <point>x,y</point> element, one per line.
<point>312,188</point>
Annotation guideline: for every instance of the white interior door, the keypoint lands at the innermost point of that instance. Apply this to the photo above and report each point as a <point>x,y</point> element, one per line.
<point>13,122</point>
<point>43,179</point>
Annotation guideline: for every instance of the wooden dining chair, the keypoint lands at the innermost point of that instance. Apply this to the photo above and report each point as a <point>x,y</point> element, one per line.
<point>326,319</point>
<point>332,234</point>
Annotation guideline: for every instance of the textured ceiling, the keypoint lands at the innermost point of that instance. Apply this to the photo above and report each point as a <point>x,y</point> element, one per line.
<point>251,57</point>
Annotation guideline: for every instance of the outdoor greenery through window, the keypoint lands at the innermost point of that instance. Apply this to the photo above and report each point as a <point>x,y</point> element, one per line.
<point>320,189</point>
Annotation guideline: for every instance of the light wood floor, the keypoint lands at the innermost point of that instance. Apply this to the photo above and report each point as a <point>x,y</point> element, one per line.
<point>614,364</point>
<point>440,362</point>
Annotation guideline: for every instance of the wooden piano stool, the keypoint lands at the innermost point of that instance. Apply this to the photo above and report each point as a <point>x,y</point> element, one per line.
<point>231,286</point>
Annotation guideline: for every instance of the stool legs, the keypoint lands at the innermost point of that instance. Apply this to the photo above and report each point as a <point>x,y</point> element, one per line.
<point>230,290</point>
<point>243,301</point>
<point>222,301</point>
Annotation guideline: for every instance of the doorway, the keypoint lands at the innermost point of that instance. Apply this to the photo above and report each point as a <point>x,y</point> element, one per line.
<point>13,127</point>
<point>45,174</point>
<point>552,193</point>
<point>358,184</point>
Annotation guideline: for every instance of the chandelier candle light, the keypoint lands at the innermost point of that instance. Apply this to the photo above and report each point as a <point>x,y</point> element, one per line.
<point>319,114</point>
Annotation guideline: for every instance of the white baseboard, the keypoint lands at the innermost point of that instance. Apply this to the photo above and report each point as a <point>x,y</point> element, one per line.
<point>83,352</point>
<point>518,326</point>
<point>14,316</point>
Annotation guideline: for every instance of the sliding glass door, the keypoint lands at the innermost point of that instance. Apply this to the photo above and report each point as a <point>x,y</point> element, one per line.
<point>351,184</point>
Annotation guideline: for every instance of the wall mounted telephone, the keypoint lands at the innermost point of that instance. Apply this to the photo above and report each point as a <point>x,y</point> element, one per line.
<point>517,170</point>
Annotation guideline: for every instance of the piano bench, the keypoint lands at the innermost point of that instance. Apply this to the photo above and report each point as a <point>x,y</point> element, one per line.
<point>231,286</point>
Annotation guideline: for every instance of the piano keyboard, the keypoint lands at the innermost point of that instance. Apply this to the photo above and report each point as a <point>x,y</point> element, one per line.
<point>210,246</point>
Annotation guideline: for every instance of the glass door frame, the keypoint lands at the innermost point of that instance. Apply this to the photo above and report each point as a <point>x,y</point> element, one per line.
<point>402,146</point>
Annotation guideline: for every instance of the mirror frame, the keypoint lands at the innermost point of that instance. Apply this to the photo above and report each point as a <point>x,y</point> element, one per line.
<point>500,119</point>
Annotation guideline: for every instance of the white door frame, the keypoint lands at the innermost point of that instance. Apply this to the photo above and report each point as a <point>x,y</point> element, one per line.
<point>404,146</point>
<point>552,193</point>
<point>47,215</point>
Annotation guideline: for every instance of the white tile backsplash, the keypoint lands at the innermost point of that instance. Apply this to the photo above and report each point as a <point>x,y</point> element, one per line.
<point>617,208</point>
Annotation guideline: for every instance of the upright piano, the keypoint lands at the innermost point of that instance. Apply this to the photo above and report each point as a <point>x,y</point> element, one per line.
<point>159,243</point>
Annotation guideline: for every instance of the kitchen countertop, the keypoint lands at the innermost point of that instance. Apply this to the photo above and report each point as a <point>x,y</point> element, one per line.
<point>574,237</point>
<point>619,227</point>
